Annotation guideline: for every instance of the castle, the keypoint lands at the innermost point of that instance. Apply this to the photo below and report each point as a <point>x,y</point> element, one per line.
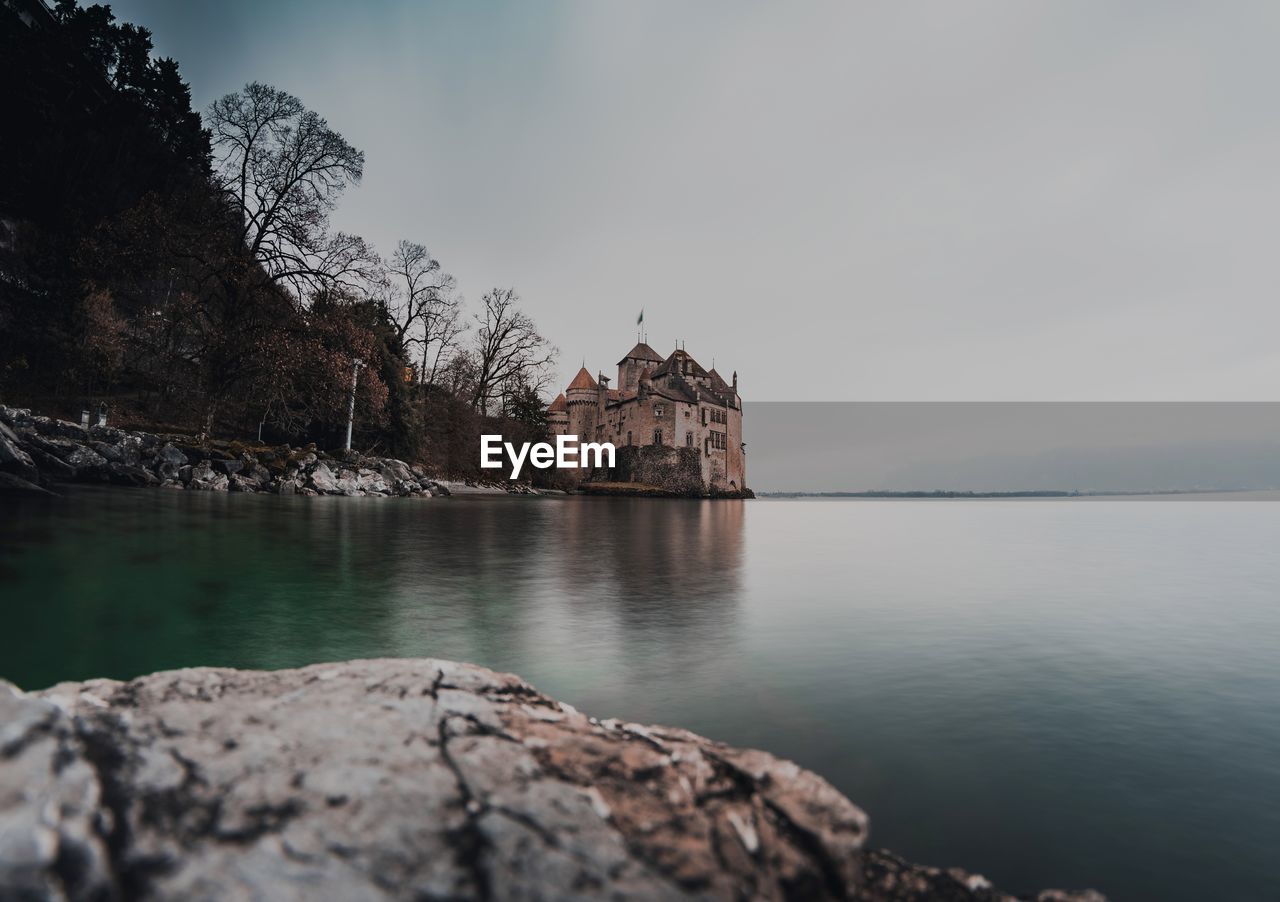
<point>672,411</point>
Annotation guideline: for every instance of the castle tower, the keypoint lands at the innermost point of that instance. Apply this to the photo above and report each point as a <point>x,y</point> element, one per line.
<point>558,416</point>
<point>582,397</point>
<point>630,368</point>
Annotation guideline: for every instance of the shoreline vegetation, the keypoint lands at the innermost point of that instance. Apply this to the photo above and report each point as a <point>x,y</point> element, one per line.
<point>459,783</point>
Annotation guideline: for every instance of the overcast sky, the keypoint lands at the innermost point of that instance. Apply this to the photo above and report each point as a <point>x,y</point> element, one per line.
<point>926,201</point>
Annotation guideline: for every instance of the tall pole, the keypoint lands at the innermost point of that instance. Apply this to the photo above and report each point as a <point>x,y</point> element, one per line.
<point>351,405</point>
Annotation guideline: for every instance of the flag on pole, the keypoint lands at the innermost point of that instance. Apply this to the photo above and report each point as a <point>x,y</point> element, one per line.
<point>640,318</point>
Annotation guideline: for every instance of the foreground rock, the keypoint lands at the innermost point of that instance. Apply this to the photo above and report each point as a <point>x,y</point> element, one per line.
<point>407,779</point>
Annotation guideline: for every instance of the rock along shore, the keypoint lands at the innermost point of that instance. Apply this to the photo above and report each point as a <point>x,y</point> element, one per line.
<point>37,452</point>
<point>402,779</point>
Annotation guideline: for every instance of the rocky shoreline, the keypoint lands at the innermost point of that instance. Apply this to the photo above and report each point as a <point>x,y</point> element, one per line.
<point>423,779</point>
<point>38,452</point>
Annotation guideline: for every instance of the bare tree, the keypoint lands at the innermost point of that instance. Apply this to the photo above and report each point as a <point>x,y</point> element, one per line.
<point>508,350</point>
<point>458,376</point>
<point>283,169</point>
<point>425,308</point>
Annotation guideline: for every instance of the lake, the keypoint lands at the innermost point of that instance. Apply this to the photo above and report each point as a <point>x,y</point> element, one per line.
<point>1050,693</point>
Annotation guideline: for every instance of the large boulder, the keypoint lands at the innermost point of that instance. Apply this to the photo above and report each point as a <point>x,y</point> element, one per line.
<point>109,434</point>
<point>393,470</point>
<point>170,462</point>
<point>205,479</point>
<point>172,455</point>
<point>399,779</point>
<point>349,482</point>
<point>321,479</point>
<point>238,483</point>
<point>15,416</point>
<point>50,465</point>
<point>59,447</point>
<point>124,474</point>
<point>128,450</point>
<point>13,457</point>
<point>54,428</point>
<point>88,464</point>
<point>111,453</point>
<point>403,488</point>
<point>229,467</point>
<point>372,483</point>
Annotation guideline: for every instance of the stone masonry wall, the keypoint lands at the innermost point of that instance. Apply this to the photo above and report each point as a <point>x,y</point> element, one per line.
<point>677,470</point>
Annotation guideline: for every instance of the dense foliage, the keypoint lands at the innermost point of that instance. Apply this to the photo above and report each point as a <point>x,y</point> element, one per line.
<point>183,269</point>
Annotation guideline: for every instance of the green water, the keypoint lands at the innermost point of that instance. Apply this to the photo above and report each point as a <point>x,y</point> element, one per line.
<point>1048,693</point>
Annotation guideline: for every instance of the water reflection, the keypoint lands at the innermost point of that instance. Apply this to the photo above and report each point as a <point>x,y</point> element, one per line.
<point>1046,693</point>
<point>119,583</point>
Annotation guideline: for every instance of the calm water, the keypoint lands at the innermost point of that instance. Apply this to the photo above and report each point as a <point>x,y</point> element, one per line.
<point>1049,693</point>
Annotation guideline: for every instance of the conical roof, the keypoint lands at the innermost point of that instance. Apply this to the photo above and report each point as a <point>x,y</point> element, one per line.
<point>558,404</point>
<point>582,381</point>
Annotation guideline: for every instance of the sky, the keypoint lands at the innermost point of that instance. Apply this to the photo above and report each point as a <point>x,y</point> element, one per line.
<point>933,201</point>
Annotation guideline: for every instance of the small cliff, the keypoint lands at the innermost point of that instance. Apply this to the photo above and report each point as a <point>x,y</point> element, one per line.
<point>399,779</point>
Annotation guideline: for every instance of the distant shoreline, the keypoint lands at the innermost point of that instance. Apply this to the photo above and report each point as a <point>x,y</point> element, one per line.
<point>1045,493</point>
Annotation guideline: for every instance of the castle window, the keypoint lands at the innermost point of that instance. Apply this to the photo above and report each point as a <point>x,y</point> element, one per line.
<point>658,410</point>
<point>704,416</point>
<point>687,413</point>
<point>628,437</point>
<point>688,439</point>
<point>657,436</point>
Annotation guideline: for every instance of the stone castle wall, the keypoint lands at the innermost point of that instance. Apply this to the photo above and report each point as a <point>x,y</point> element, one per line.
<point>677,470</point>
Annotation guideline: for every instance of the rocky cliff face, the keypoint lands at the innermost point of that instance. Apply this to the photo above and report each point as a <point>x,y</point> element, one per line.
<point>416,779</point>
